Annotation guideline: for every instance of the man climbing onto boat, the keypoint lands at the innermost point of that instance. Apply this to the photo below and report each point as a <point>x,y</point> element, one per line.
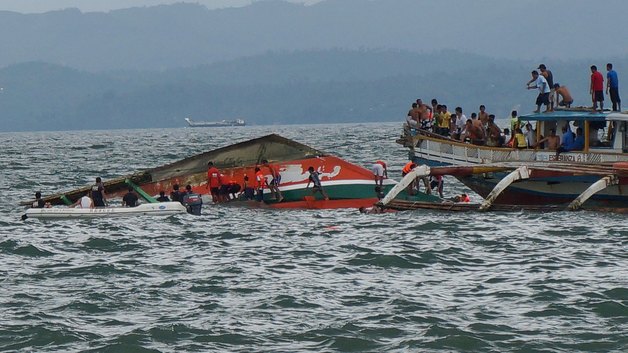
<point>273,185</point>
<point>316,181</point>
<point>413,118</point>
<point>98,193</point>
<point>213,181</point>
<point>541,84</point>
<point>380,172</point>
<point>597,88</point>
<point>130,198</point>
<point>192,201</point>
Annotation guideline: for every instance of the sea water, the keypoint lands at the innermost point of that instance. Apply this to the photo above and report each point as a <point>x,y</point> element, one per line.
<point>256,280</point>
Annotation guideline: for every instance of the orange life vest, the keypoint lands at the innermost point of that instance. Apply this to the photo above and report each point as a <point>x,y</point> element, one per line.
<point>408,167</point>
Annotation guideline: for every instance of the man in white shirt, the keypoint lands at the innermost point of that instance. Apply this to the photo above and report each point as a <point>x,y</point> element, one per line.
<point>544,91</point>
<point>84,202</point>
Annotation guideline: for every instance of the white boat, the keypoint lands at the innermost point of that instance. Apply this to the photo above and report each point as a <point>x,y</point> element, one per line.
<point>147,209</point>
<point>222,123</point>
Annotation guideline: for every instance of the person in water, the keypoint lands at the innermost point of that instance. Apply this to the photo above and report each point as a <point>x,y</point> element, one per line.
<point>130,198</point>
<point>176,195</point>
<point>162,197</point>
<point>39,202</point>
<point>316,181</point>
<point>98,193</point>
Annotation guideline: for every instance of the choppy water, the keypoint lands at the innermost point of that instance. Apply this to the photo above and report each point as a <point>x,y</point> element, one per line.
<point>240,280</point>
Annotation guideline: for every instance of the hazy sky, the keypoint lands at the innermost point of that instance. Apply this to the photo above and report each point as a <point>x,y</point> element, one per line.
<point>30,6</point>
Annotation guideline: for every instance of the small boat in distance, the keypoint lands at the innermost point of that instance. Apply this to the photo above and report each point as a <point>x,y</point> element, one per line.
<point>222,123</point>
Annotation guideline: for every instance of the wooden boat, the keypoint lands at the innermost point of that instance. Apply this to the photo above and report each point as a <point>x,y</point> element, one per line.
<point>517,172</point>
<point>222,123</point>
<point>147,209</point>
<point>555,186</point>
<point>347,185</point>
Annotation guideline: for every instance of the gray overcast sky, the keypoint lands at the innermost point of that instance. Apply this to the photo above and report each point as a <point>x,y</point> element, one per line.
<point>30,6</point>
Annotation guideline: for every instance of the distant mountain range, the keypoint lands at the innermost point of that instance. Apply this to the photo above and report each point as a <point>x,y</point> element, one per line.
<point>276,88</point>
<point>186,35</point>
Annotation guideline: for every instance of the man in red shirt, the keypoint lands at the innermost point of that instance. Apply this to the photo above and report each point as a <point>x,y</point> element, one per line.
<point>597,88</point>
<point>213,181</point>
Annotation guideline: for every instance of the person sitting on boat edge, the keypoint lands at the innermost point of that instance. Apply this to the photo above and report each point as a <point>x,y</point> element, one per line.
<point>576,145</point>
<point>84,202</point>
<point>162,197</point>
<point>192,201</point>
<point>553,141</point>
<point>130,198</point>
<point>98,193</point>
<point>520,140</point>
<point>316,181</point>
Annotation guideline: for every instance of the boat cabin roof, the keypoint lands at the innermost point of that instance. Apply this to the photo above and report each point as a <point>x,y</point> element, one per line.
<point>576,115</point>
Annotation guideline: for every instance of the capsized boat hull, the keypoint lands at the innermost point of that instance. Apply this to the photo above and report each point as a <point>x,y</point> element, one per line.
<point>149,209</point>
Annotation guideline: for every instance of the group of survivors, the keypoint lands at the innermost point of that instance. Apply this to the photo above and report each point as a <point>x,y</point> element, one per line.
<point>221,187</point>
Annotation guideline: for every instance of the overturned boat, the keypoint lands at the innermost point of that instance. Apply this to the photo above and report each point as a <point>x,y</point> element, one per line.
<point>347,185</point>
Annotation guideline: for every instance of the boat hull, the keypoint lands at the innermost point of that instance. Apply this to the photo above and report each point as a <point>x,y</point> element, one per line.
<point>542,188</point>
<point>151,209</point>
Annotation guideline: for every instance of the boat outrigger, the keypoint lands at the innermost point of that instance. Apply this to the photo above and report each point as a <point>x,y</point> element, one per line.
<point>555,179</point>
<point>147,209</point>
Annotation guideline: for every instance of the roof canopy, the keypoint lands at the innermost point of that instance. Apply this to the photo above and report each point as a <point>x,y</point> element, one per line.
<point>575,115</point>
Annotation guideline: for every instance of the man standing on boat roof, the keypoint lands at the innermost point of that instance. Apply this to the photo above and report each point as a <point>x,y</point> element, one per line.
<point>612,86</point>
<point>213,181</point>
<point>273,185</point>
<point>544,91</point>
<point>98,193</point>
<point>549,77</point>
<point>597,88</point>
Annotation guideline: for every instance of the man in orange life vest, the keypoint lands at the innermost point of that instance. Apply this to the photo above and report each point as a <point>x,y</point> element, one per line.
<point>407,169</point>
<point>213,181</point>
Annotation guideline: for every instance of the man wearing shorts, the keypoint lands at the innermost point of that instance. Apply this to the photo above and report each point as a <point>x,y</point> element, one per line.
<point>597,88</point>
<point>213,181</point>
<point>380,172</point>
<point>544,91</point>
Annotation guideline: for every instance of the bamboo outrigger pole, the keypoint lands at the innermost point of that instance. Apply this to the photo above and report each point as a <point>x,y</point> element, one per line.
<point>520,173</point>
<point>592,190</point>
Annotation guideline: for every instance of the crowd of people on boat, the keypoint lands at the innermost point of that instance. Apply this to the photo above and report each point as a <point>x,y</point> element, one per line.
<point>553,95</point>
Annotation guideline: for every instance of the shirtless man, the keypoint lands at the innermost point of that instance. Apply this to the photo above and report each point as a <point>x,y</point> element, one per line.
<point>483,116</point>
<point>563,95</point>
<point>413,118</point>
<point>553,141</point>
<point>424,116</point>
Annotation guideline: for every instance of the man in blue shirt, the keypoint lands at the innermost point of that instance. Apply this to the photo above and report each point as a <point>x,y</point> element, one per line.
<point>612,87</point>
<point>575,145</point>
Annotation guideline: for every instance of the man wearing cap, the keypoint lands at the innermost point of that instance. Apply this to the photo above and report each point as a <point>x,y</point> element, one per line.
<point>549,77</point>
